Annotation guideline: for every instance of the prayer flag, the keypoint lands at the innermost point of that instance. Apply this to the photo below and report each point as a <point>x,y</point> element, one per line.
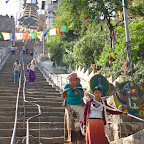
<point>92,15</point>
<point>83,20</point>
<point>40,36</point>
<point>113,35</point>
<point>101,28</point>
<point>70,25</point>
<point>52,31</point>
<point>25,36</point>
<point>6,1</point>
<point>6,36</point>
<point>33,35</point>
<point>64,28</point>
<point>86,17</point>
<point>19,36</point>
<point>44,33</point>
<point>95,12</point>
<point>58,29</point>
<point>11,36</point>
<point>39,33</point>
<point>28,30</point>
<point>75,22</point>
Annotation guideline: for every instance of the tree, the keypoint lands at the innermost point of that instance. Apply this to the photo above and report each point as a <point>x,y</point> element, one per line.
<point>89,48</point>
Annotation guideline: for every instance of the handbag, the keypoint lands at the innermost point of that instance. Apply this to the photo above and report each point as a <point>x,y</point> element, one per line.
<point>64,103</point>
<point>83,131</point>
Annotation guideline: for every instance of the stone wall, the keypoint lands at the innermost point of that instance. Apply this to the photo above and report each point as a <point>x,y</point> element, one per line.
<point>137,138</point>
<point>4,53</point>
<point>5,44</point>
<point>7,24</point>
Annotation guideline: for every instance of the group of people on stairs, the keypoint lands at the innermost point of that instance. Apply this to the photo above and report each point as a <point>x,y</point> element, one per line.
<point>81,122</point>
<point>30,67</point>
<point>84,122</point>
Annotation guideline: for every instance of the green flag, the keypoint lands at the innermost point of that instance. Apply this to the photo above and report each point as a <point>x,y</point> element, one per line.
<point>92,15</point>
<point>0,37</point>
<point>64,28</point>
<point>33,35</point>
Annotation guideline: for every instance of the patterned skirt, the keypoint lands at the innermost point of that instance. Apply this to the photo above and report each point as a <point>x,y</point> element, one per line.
<point>95,133</point>
<point>32,76</point>
<point>72,118</point>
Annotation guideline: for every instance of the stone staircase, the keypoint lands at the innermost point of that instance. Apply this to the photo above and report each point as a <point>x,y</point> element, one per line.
<point>8,94</point>
<point>42,93</point>
<point>50,101</point>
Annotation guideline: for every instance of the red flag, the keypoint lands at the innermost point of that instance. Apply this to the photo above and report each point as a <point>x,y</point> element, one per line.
<point>86,17</point>
<point>113,35</point>
<point>58,30</point>
<point>25,36</point>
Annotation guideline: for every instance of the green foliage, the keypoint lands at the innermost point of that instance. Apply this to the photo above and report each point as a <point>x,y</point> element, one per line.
<point>89,48</point>
<point>55,49</point>
<point>89,44</point>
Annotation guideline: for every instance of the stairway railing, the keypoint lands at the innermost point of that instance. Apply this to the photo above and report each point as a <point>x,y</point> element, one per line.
<point>59,81</point>
<point>28,102</point>
<point>13,138</point>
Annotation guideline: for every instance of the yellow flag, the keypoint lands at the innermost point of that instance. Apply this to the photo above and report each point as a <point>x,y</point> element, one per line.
<point>121,79</point>
<point>95,12</point>
<point>6,36</point>
<point>38,34</point>
<point>70,25</point>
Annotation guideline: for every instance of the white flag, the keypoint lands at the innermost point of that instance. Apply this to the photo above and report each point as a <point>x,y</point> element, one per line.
<point>52,31</point>
<point>83,20</point>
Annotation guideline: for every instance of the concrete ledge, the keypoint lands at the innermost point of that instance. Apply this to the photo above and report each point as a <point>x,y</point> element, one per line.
<point>4,58</point>
<point>137,138</point>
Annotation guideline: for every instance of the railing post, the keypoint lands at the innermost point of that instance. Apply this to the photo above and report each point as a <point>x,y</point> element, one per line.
<point>57,80</point>
<point>61,83</point>
<point>39,129</point>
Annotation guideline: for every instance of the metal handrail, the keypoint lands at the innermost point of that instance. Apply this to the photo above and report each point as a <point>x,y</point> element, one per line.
<point>58,80</point>
<point>31,103</point>
<point>16,113</point>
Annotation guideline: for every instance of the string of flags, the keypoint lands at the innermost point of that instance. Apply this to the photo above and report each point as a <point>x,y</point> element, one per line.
<point>23,29</point>
<point>69,52</point>
<point>28,33</point>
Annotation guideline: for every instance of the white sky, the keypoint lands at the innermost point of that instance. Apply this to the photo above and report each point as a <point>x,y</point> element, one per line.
<point>11,8</point>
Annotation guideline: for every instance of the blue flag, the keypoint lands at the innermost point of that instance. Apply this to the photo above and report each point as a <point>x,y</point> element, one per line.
<point>11,36</point>
<point>6,1</point>
<point>44,33</point>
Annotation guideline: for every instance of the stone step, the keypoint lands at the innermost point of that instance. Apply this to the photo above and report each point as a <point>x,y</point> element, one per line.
<point>43,140</point>
<point>54,93</point>
<point>48,89</point>
<point>32,125</point>
<point>42,98</point>
<point>6,119</point>
<point>44,103</point>
<point>45,119</point>
<point>131,127</point>
<point>29,114</point>
<point>34,109</point>
<point>56,132</point>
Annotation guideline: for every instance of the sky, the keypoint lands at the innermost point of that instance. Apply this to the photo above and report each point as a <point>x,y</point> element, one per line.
<point>11,8</point>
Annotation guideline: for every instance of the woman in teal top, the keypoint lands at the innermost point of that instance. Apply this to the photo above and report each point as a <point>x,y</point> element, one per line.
<point>72,97</point>
<point>73,94</point>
